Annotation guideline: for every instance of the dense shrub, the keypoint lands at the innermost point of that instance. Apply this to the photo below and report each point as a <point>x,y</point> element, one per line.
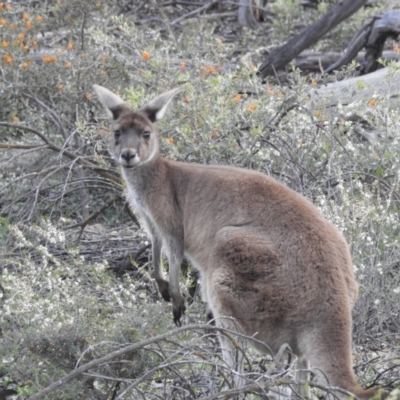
<point>64,222</point>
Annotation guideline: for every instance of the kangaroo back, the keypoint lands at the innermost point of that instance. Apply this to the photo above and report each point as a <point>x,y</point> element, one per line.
<point>267,258</point>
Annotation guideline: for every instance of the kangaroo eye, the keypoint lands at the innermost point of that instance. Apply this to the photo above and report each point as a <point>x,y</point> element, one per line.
<point>117,134</point>
<point>146,134</point>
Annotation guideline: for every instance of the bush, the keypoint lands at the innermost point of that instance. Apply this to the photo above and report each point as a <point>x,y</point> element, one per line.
<point>64,223</point>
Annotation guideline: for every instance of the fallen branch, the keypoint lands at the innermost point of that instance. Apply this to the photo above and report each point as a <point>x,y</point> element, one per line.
<point>309,36</point>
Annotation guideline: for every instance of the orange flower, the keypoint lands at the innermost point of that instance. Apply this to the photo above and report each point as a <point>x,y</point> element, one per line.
<point>3,22</point>
<point>372,102</point>
<point>28,24</point>
<point>39,18</point>
<point>214,134</point>
<point>25,15</point>
<point>15,118</point>
<point>49,59</point>
<point>7,59</point>
<point>238,97</point>
<point>87,96</point>
<point>4,43</point>
<point>211,70</point>
<point>171,140</point>
<point>204,71</point>
<point>68,65</point>
<point>70,46</point>
<point>59,86</point>
<point>252,107</point>
<point>24,65</point>
<point>146,55</point>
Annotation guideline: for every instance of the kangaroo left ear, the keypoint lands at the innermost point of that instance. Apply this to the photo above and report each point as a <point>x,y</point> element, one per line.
<point>157,108</point>
<point>111,102</point>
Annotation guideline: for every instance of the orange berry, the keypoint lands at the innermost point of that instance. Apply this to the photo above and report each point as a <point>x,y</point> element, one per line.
<point>314,82</point>
<point>98,5</point>
<point>24,65</point>
<point>4,43</point>
<point>39,18</point>
<point>104,72</point>
<point>238,97</point>
<point>145,55</point>
<point>252,107</point>
<point>25,49</point>
<point>396,48</point>
<point>15,118</point>
<point>186,99</point>
<point>11,27</point>
<point>17,41</point>
<point>59,86</point>
<point>21,36</point>
<point>1,6</point>
<point>87,96</point>
<point>170,140</point>
<point>372,102</point>
<point>8,59</point>
<point>211,70</point>
<point>70,46</point>
<point>8,7</point>
<point>3,22</point>
<point>214,134</point>
<point>25,15</point>
<point>68,65</point>
<point>182,65</point>
<point>204,71</point>
<point>34,43</point>
<point>28,24</point>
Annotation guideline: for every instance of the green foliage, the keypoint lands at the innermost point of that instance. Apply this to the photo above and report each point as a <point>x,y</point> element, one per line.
<point>61,306</point>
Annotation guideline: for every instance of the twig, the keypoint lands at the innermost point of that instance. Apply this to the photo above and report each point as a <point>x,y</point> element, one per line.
<point>132,347</point>
<point>196,11</point>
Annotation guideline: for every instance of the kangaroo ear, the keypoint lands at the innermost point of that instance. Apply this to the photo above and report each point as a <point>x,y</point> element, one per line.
<point>111,102</point>
<point>157,108</point>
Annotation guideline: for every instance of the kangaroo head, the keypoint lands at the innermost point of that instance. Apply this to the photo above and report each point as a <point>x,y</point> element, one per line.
<point>134,140</point>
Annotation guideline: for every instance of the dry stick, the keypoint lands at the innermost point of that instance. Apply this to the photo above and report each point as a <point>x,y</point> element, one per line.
<point>101,171</point>
<point>132,347</point>
<point>21,146</point>
<point>198,10</point>
<point>309,36</point>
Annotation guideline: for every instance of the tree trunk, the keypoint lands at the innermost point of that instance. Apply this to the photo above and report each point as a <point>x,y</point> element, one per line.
<point>309,36</point>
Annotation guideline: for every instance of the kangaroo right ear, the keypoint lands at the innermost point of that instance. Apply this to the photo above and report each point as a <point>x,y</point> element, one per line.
<point>111,102</point>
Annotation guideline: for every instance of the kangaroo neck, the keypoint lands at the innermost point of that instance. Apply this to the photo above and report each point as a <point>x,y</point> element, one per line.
<point>146,177</point>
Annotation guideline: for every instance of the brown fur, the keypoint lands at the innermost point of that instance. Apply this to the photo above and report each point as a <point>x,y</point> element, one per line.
<point>266,255</point>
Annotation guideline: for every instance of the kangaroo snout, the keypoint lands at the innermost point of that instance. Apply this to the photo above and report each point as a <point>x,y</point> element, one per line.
<point>128,157</point>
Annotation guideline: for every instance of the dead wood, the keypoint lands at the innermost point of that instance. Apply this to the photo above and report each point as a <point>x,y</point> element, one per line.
<point>309,36</point>
<point>360,88</point>
<point>309,61</point>
<point>372,37</point>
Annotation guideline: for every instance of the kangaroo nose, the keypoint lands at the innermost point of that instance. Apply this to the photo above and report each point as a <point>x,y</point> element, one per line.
<point>128,155</point>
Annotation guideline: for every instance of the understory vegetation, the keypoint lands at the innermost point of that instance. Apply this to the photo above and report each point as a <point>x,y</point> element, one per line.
<point>75,272</point>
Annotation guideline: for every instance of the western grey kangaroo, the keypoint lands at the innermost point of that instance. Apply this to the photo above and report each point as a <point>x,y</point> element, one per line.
<point>267,257</point>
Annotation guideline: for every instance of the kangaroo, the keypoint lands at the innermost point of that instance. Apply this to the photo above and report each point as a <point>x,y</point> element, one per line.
<point>271,265</point>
